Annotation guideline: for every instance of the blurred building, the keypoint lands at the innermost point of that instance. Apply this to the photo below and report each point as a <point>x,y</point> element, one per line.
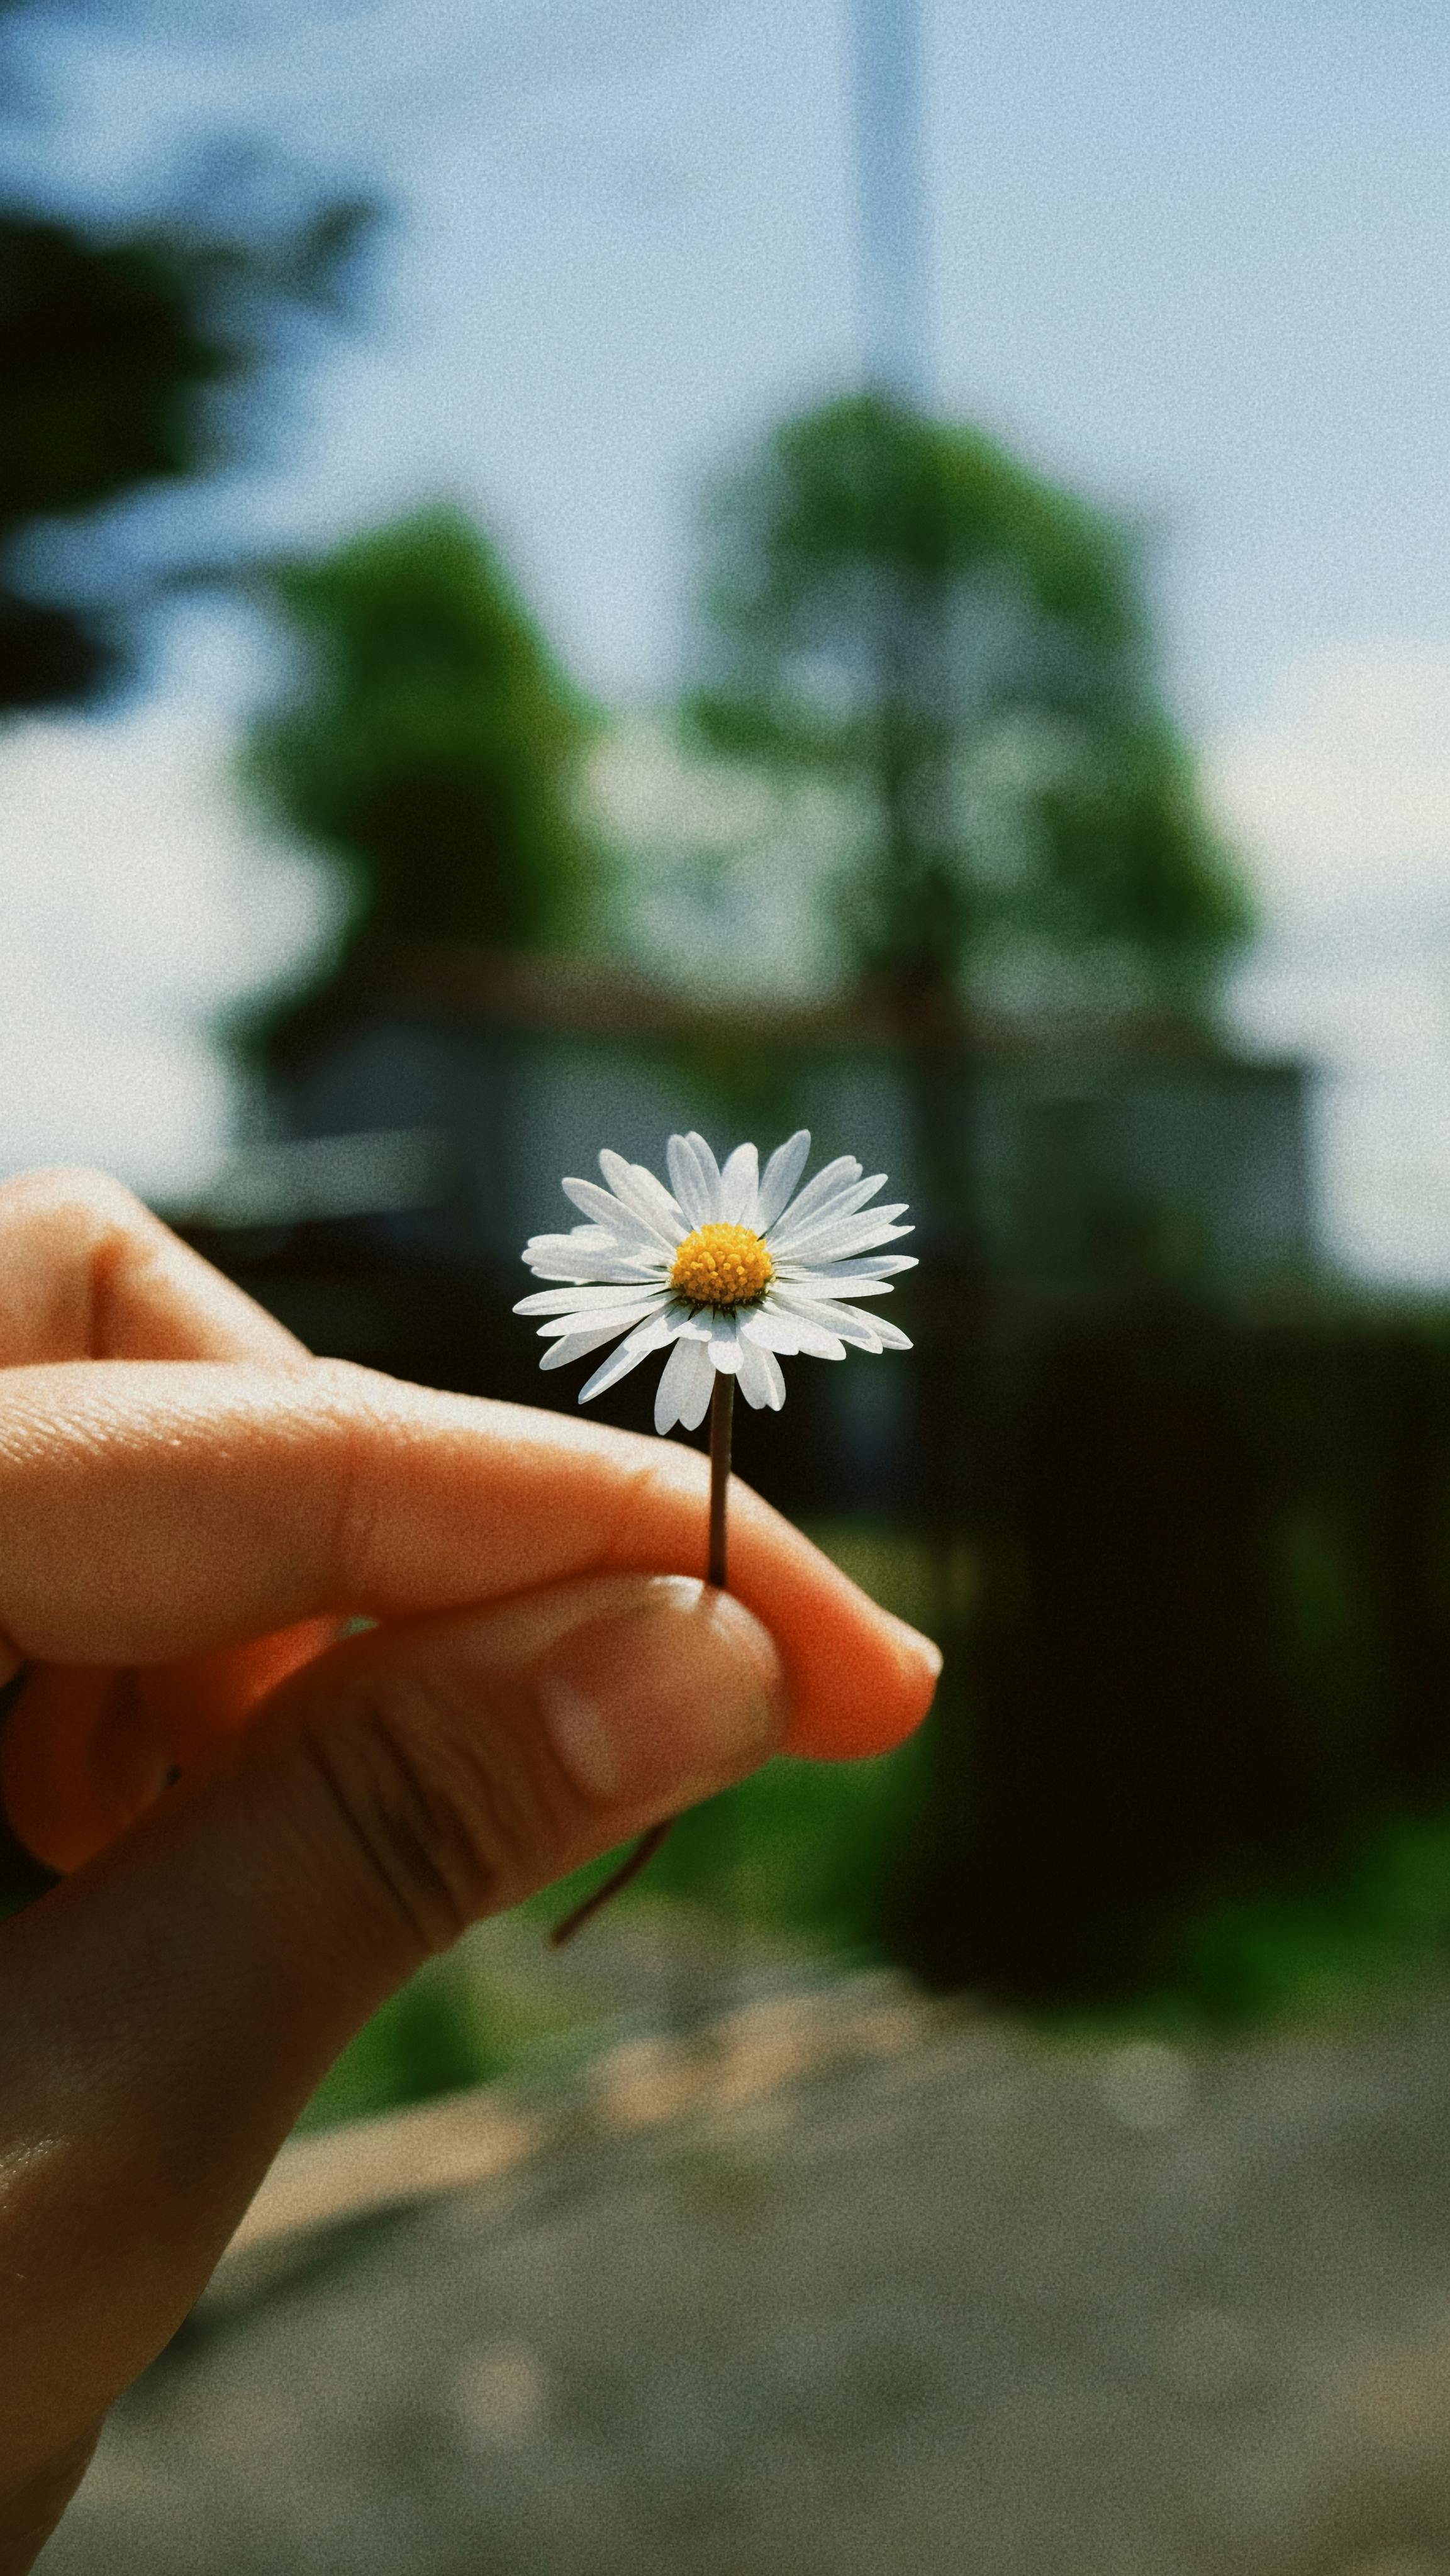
<point>437,1109</point>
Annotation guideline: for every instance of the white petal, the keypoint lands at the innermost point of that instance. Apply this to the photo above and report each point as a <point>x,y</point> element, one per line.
<point>630,1230</point>
<point>579,1299</point>
<point>777,1380</point>
<point>724,1344</point>
<point>890,1336</point>
<point>593,1269</point>
<point>813,1335</point>
<point>698,1323</point>
<point>761,1382</point>
<point>858,1234</point>
<point>650,1337</point>
<point>861,1265</point>
<point>589,1253</point>
<point>621,1315</point>
<point>577,1345</point>
<point>694,1400</point>
<point>780,1177</point>
<point>740,1187</point>
<point>687,1362</point>
<point>694,1185</point>
<point>831,1178</point>
<point>750,1372</point>
<point>849,1325</point>
<point>849,1203</point>
<point>835,1283</point>
<point>794,1228</point>
<point>711,1170</point>
<point>571,1246</point>
<point>644,1196</point>
<point>791,1239</point>
<point>580,1236</point>
<point>772,1331</point>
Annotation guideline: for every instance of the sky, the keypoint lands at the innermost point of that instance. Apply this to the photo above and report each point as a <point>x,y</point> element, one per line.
<point>1193,260</point>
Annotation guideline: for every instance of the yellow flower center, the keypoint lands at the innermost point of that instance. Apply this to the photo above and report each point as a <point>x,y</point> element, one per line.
<point>722,1265</point>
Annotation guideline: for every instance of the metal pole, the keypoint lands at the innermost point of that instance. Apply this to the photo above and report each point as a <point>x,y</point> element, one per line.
<point>891,196</point>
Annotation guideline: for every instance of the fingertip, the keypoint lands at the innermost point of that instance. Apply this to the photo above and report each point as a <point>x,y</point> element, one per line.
<point>920,1657</point>
<point>862,1679</point>
<point>884,1691</point>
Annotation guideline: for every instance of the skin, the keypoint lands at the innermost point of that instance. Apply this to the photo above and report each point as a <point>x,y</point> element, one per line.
<point>191,1507</point>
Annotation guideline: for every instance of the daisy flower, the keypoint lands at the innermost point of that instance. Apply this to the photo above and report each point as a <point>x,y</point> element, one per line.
<point>728,1270</point>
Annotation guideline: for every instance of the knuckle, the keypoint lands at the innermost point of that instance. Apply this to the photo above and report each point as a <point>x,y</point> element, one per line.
<point>365,1442</point>
<point>77,1191</point>
<point>74,1228</point>
<point>446,1831</point>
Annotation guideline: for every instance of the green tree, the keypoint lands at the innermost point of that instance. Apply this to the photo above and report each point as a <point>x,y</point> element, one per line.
<point>899,607</point>
<point>430,743</point>
<point>134,346</point>
<point>115,351</point>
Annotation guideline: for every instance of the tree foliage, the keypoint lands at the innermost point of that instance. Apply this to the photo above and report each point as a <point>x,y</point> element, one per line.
<point>430,743</point>
<point>101,357</point>
<point>898,606</point>
<point>132,350</point>
<point>111,351</point>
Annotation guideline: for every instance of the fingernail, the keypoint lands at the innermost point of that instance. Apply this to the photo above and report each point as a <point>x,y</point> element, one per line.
<point>668,1702</point>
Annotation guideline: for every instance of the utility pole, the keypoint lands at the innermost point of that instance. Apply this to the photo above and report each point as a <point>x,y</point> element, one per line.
<point>891,197</point>
<point>910,639</point>
<point>919,828</point>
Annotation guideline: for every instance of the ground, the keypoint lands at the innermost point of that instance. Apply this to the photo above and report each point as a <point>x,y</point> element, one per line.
<point>930,2292</point>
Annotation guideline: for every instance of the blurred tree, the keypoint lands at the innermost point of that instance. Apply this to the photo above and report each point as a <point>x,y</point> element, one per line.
<point>898,606</point>
<point>430,743</point>
<point>109,350</point>
<point>100,353</point>
<point>128,350</point>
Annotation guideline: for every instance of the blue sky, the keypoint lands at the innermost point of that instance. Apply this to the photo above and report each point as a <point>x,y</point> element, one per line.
<point>1195,259</point>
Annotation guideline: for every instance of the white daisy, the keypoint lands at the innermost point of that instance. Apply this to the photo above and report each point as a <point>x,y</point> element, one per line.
<point>725,1270</point>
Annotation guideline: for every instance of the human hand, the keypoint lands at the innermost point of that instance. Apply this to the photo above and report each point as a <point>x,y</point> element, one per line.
<point>191,1507</point>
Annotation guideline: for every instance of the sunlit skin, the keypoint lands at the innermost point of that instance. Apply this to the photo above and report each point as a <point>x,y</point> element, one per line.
<point>192,1506</point>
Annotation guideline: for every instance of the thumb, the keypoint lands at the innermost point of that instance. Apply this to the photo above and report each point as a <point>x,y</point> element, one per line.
<point>165,2012</point>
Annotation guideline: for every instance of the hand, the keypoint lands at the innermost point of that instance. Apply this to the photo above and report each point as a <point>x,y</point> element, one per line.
<point>191,1507</point>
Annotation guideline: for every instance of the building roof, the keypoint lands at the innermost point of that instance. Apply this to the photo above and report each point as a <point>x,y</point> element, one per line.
<point>597,996</point>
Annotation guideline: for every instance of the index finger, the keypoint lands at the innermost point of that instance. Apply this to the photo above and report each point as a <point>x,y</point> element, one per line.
<point>87,1272</point>
<point>155,1511</point>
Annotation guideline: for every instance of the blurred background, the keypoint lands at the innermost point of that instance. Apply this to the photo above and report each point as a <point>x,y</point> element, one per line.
<point>576,568</point>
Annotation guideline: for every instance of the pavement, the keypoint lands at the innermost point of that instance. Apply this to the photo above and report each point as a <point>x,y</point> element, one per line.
<point>842,2285</point>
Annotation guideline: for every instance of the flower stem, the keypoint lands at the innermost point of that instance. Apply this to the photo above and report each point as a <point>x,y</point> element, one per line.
<point>722,1416</point>
<point>630,1867</point>
<point>722,1413</point>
